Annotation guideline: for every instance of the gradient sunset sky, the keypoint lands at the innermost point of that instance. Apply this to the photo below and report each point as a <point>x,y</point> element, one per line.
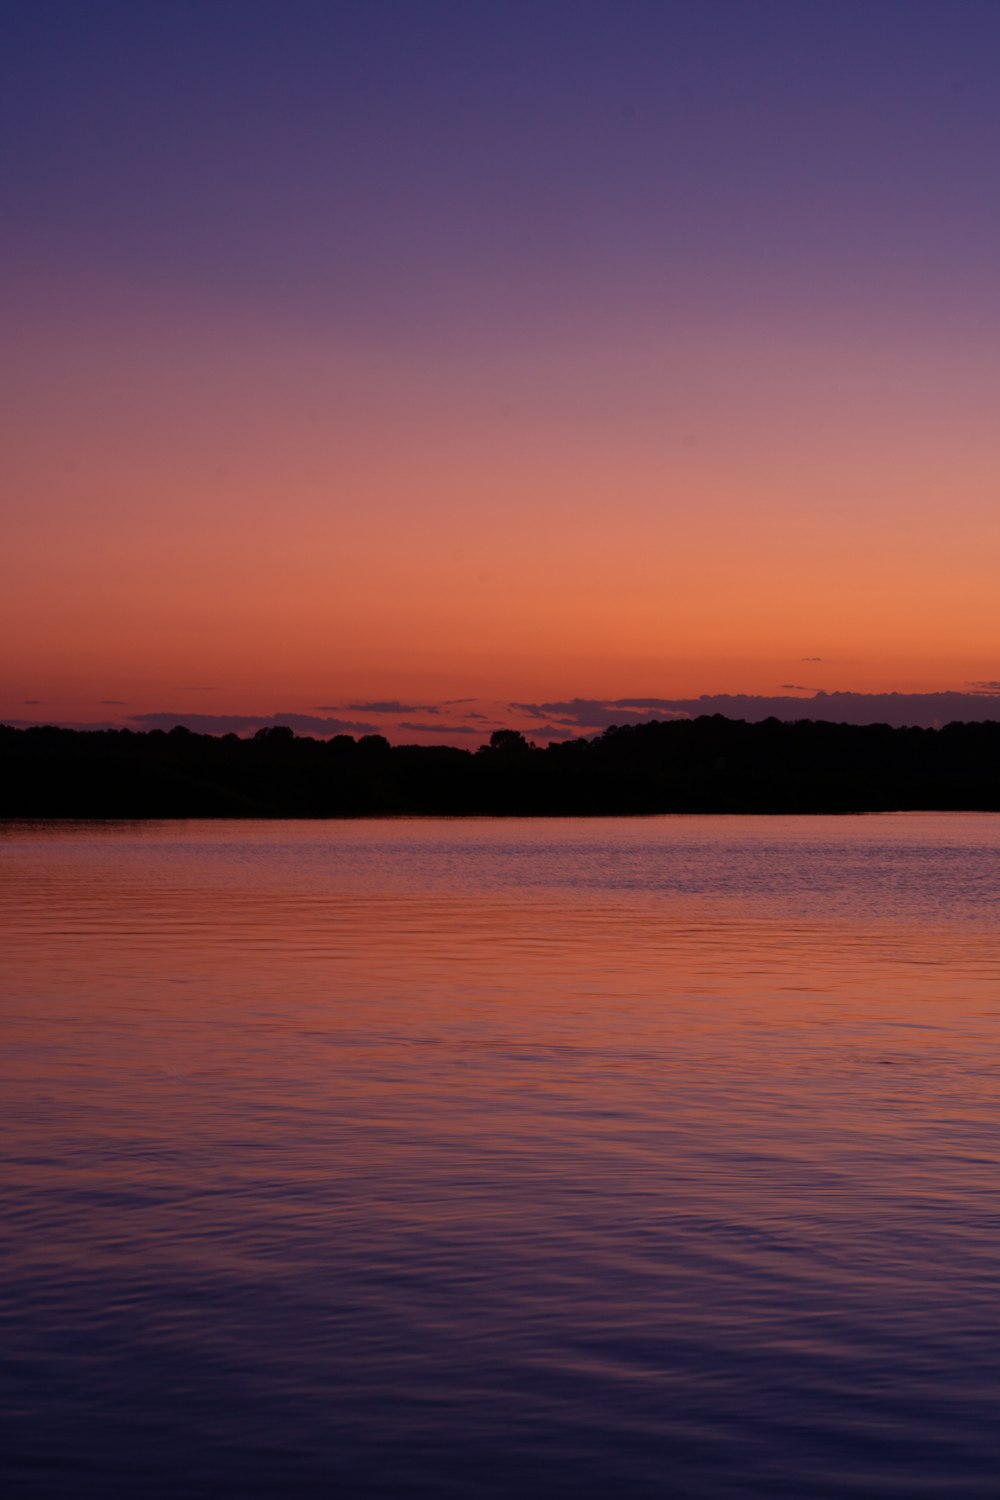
<point>365,357</point>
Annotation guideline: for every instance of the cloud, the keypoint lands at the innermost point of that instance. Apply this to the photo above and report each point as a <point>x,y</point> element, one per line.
<point>574,717</point>
<point>114,703</point>
<point>810,658</point>
<point>33,702</point>
<point>246,723</point>
<point>385,706</point>
<point>392,706</point>
<point>439,728</point>
<point>590,713</point>
<point>920,709</point>
<point>795,687</point>
<point>101,724</point>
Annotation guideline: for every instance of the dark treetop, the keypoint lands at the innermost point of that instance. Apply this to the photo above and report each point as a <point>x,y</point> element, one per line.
<point>710,764</point>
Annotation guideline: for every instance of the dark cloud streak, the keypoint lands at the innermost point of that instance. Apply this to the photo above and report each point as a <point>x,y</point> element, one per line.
<point>927,709</point>
<point>247,723</point>
<point>386,706</point>
<point>414,728</point>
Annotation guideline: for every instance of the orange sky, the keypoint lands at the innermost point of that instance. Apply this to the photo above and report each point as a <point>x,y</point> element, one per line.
<point>453,367</point>
<point>289,523</point>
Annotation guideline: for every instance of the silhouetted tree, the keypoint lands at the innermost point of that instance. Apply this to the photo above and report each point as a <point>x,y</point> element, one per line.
<point>508,742</point>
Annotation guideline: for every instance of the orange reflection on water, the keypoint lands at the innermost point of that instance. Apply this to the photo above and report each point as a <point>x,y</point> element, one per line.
<point>614,1147</point>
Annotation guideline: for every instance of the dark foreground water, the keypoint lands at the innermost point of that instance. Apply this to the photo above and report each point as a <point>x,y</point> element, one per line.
<point>625,1158</point>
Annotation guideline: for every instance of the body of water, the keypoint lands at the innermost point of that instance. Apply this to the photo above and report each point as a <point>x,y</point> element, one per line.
<point>651,1157</point>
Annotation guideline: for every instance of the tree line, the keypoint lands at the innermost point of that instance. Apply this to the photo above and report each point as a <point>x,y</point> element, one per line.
<point>704,765</point>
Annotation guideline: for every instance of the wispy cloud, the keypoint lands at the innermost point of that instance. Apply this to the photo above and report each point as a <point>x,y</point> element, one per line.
<point>56,723</point>
<point>588,715</point>
<point>441,728</point>
<point>245,723</point>
<point>591,713</point>
<point>572,717</point>
<point>386,706</point>
<point>393,706</point>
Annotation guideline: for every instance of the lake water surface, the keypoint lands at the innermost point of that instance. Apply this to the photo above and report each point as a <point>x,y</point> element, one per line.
<point>653,1157</point>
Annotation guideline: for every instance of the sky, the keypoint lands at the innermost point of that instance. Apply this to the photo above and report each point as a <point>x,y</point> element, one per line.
<point>467,358</point>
